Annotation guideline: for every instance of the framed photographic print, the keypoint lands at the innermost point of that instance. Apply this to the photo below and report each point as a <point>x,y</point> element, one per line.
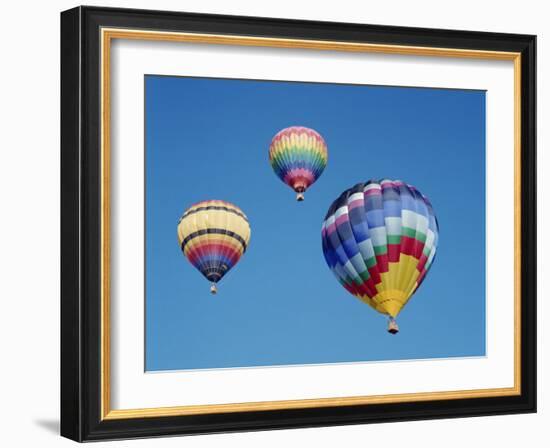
<point>273,223</point>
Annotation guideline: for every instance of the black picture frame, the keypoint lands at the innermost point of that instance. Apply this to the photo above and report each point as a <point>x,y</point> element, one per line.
<point>81,224</point>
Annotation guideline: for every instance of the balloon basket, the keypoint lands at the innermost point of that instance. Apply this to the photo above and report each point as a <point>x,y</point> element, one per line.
<point>300,197</point>
<point>213,289</point>
<point>393,328</point>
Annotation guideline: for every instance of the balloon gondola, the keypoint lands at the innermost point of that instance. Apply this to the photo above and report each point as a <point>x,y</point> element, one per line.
<point>213,235</point>
<point>298,156</point>
<point>380,239</point>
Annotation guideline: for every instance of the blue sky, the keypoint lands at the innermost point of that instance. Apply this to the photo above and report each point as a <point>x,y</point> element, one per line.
<point>281,305</point>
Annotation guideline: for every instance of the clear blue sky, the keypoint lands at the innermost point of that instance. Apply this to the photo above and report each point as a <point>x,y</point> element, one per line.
<point>209,139</point>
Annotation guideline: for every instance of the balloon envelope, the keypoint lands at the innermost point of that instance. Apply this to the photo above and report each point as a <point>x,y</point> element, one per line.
<point>213,235</point>
<point>298,155</point>
<point>380,240</point>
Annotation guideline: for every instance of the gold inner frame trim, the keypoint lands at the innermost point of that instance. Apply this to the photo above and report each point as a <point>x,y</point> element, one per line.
<point>107,35</point>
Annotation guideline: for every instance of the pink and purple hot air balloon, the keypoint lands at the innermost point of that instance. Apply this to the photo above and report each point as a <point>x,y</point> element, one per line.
<point>298,155</point>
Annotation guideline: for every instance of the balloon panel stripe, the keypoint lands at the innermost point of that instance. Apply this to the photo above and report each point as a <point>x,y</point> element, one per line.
<point>214,207</point>
<point>214,231</point>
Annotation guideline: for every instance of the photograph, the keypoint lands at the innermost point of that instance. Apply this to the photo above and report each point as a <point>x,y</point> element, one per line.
<point>318,215</point>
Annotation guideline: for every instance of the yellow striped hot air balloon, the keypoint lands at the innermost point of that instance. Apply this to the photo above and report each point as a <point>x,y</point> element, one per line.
<point>213,235</point>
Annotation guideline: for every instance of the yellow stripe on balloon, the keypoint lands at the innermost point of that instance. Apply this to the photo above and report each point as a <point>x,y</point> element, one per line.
<point>213,219</point>
<point>396,286</point>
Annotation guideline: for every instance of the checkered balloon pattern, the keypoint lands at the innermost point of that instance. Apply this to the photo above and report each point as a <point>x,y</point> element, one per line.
<point>380,239</point>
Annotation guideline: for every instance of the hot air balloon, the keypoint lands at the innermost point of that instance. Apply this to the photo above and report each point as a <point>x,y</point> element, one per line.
<point>380,239</point>
<point>298,155</point>
<point>213,235</point>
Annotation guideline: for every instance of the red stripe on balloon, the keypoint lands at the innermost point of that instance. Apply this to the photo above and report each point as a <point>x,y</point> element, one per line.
<point>195,254</point>
<point>349,288</point>
<point>356,203</point>
<point>342,219</point>
<point>375,274</point>
<point>382,262</point>
<point>371,287</point>
<point>418,249</point>
<point>394,251</point>
<point>422,262</point>
<point>411,246</point>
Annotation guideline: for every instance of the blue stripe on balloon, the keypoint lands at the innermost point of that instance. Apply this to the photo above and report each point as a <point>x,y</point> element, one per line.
<point>215,258</point>
<point>375,218</point>
<point>392,208</point>
<point>373,202</point>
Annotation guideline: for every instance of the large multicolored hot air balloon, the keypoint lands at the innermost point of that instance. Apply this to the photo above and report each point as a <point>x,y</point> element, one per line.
<point>380,239</point>
<point>213,235</point>
<point>298,155</point>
